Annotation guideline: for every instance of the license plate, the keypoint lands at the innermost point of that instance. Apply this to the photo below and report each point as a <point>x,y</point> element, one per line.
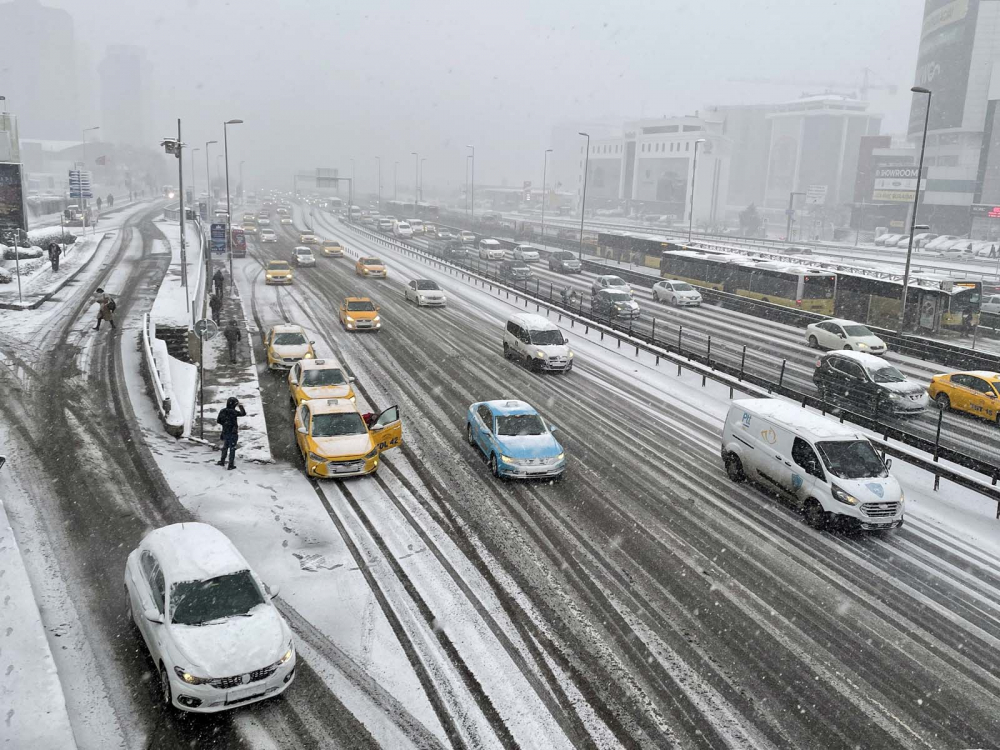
<point>241,694</point>
<point>343,468</point>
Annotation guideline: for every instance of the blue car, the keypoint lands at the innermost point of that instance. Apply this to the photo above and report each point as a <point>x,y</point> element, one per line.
<point>515,440</point>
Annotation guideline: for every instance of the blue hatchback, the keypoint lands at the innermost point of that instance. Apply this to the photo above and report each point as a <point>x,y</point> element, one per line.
<point>515,440</point>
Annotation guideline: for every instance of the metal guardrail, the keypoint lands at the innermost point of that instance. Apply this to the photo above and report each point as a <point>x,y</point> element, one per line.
<point>736,378</point>
<point>148,334</point>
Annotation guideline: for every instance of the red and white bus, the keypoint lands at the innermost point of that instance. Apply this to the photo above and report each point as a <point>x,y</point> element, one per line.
<point>239,240</point>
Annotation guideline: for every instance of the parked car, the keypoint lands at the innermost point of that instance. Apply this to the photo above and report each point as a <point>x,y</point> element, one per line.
<point>676,293</point>
<point>887,239</point>
<point>843,334</point>
<point>940,241</point>
<point>867,385</point>
<point>564,261</point>
<point>920,240</point>
<point>214,637</point>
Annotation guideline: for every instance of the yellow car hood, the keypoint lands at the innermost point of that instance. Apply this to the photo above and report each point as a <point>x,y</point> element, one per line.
<point>343,446</point>
<point>326,391</point>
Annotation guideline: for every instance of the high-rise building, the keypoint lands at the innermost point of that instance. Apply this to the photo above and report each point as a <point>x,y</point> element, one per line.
<point>40,80</point>
<point>124,93</point>
<point>959,61</point>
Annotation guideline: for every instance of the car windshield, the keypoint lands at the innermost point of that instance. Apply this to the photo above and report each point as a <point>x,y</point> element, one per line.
<point>303,251</point>
<point>428,285</point>
<point>614,281</point>
<point>680,286</point>
<point>564,255</point>
<point>327,376</point>
<point>547,338</point>
<point>331,244</point>
<point>520,424</point>
<point>361,306</point>
<point>886,374</point>
<point>851,459</point>
<point>618,296</point>
<point>289,339</point>
<point>857,330</point>
<point>338,424</point>
<point>371,262</point>
<point>219,598</point>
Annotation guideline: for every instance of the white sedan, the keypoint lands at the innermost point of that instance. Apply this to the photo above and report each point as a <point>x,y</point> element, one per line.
<point>268,235</point>
<point>424,292</point>
<point>215,638</point>
<point>303,256</point>
<point>677,293</point>
<point>610,282</point>
<point>843,334</point>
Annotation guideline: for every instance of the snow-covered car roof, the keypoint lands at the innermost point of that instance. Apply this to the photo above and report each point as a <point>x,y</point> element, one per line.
<point>288,328</point>
<point>869,361</point>
<point>510,406</point>
<point>193,552</point>
<point>327,363</point>
<point>534,322</point>
<point>303,249</point>
<point>798,418</point>
<point>331,405</point>
<point>984,374</point>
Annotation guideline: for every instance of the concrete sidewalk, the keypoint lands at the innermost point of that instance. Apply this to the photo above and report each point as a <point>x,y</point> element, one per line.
<point>223,378</point>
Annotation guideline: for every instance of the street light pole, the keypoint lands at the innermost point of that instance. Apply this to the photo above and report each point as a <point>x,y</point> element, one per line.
<point>208,177</point>
<point>194,190</point>
<point>916,200</point>
<point>83,198</point>
<point>378,161</point>
<point>788,213</point>
<point>180,195</point>
<point>472,184</point>
<point>395,168</point>
<point>242,162</point>
<point>583,202</point>
<point>416,179</point>
<point>229,205</point>
<point>422,160</point>
<point>694,175</point>
<point>545,167</point>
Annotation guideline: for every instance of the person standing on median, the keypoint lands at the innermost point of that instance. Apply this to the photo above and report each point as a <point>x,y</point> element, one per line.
<point>219,280</point>
<point>230,429</point>
<point>233,336</point>
<point>54,252</point>
<point>215,304</point>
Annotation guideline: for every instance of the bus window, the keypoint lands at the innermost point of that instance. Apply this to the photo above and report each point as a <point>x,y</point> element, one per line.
<point>818,287</point>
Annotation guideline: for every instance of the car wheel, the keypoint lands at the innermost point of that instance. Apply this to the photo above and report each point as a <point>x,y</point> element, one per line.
<point>815,515</point>
<point>129,614</point>
<point>656,296</point>
<point>165,687</point>
<point>494,466</point>
<point>734,468</point>
<point>944,403</point>
<point>673,302</point>
<point>468,435</point>
<point>506,350</point>
<point>813,343</point>
<point>847,348</point>
<point>528,362</point>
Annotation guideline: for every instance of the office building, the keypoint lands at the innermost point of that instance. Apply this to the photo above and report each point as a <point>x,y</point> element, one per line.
<point>124,78</point>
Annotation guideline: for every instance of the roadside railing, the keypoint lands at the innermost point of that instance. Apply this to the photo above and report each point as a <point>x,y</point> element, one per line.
<point>157,380</point>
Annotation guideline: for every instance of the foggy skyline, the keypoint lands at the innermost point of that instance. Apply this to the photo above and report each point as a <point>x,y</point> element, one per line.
<point>318,86</point>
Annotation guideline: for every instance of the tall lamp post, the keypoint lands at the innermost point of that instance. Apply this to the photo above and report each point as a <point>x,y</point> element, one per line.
<point>241,182</point>
<point>194,190</point>
<point>789,212</point>
<point>378,161</point>
<point>472,184</point>
<point>422,160</point>
<point>467,158</point>
<point>583,202</point>
<point>416,179</point>
<point>83,198</point>
<point>916,201</point>
<point>694,175</point>
<point>350,187</point>
<point>229,205</point>
<point>208,178</point>
<point>545,167</point>
<point>395,168</point>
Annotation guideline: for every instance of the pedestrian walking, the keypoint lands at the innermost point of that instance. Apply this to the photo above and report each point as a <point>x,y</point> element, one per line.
<point>993,250</point>
<point>106,310</point>
<point>230,430</point>
<point>98,203</point>
<point>219,280</point>
<point>54,252</point>
<point>215,303</point>
<point>233,336</point>
<point>111,200</point>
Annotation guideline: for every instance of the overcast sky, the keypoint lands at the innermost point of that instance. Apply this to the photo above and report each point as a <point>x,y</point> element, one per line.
<point>321,82</point>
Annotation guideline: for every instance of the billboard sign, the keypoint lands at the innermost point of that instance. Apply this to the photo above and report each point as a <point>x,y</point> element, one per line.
<point>896,184</point>
<point>79,184</point>
<point>816,195</point>
<point>219,238</point>
<point>326,177</point>
<point>12,214</point>
<point>985,211</point>
<point>943,62</point>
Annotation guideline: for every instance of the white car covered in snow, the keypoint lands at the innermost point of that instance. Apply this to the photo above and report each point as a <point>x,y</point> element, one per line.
<point>677,293</point>
<point>215,638</point>
<point>843,334</point>
<point>303,256</point>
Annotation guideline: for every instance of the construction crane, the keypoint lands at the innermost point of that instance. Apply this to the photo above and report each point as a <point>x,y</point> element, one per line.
<point>865,87</point>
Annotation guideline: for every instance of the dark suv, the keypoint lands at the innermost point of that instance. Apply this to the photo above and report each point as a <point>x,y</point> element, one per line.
<point>867,384</point>
<point>516,270</point>
<point>564,261</point>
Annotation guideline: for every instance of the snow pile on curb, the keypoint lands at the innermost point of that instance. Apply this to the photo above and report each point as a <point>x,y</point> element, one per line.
<point>172,307</point>
<point>34,707</point>
<point>21,253</point>
<point>164,367</point>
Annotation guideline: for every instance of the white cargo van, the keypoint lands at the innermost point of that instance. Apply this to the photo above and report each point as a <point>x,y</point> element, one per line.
<point>537,342</point>
<point>490,250</point>
<point>829,470</point>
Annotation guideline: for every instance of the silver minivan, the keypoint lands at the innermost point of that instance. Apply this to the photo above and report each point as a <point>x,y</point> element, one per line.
<point>537,342</point>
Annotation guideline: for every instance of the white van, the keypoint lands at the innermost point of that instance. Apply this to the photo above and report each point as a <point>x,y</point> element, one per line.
<point>829,470</point>
<point>537,342</point>
<point>490,250</point>
<point>417,225</point>
<point>402,229</point>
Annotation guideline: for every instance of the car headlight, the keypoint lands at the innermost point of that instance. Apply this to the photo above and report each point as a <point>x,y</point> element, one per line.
<point>376,319</point>
<point>309,355</point>
<point>354,399</point>
<point>559,458</point>
<point>540,354</point>
<point>288,654</point>
<point>364,271</point>
<point>348,318</point>
<point>189,678</point>
<point>895,396</point>
<point>842,496</point>
<point>902,496</point>
<point>371,454</point>
<point>506,459</point>
<point>570,355</point>
<point>862,345</point>
<point>317,459</point>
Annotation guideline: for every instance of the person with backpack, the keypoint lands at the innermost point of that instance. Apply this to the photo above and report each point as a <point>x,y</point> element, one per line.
<point>230,430</point>
<point>106,309</point>
<point>215,304</point>
<point>111,201</point>
<point>55,251</point>
<point>219,280</point>
<point>233,336</point>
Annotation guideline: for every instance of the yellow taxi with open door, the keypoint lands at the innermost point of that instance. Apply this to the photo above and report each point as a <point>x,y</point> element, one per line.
<point>336,442</point>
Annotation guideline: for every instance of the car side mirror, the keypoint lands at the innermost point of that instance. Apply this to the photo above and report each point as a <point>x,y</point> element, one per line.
<point>888,463</point>
<point>351,378</point>
<point>552,428</point>
<point>272,589</point>
<point>312,343</point>
<point>842,335</point>
<point>377,308</point>
<point>153,616</point>
<point>303,431</point>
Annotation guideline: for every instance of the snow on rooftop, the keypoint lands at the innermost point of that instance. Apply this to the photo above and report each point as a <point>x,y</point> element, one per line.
<point>193,552</point>
<point>797,418</point>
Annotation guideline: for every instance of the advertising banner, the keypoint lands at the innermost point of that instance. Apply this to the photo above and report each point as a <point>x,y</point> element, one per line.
<point>943,62</point>
<point>896,184</point>
<point>219,238</point>
<point>816,195</point>
<point>12,214</point>
<point>986,211</point>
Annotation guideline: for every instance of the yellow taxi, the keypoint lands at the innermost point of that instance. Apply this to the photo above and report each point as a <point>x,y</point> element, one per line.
<point>370,267</point>
<point>308,238</point>
<point>286,344</point>
<point>335,441</point>
<point>317,379</point>
<point>333,249</point>
<point>249,227</point>
<point>278,272</point>
<point>360,314</point>
<point>975,392</point>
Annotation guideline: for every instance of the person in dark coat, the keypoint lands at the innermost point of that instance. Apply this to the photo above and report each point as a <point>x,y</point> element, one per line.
<point>55,251</point>
<point>106,309</point>
<point>215,304</point>
<point>230,429</point>
<point>233,336</point>
<point>218,279</point>
<point>111,200</point>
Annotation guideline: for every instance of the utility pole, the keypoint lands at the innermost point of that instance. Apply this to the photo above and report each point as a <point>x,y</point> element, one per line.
<point>545,167</point>
<point>472,185</point>
<point>916,202</point>
<point>583,201</point>
<point>789,213</point>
